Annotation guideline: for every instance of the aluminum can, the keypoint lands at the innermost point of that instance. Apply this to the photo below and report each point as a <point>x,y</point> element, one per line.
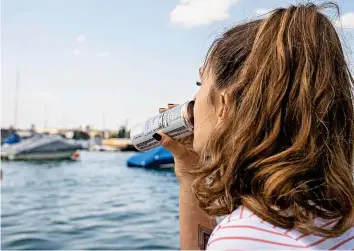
<point>177,122</point>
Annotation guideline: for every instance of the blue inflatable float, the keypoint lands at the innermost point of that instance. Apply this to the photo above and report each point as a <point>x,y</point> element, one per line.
<point>158,157</point>
<point>12,139</point>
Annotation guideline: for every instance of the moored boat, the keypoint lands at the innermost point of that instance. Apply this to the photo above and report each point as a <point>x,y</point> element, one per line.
<point>41,147</point>
<point>120,144</point>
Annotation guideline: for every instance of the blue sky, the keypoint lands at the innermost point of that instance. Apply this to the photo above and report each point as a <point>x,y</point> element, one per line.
<point>102,62</point>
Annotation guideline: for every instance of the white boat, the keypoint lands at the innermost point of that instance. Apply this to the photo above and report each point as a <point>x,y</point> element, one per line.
<point>41,147</point>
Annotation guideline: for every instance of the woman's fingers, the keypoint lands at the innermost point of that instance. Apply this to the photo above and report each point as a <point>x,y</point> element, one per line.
<point>171,106</point>
<point>175,147</point>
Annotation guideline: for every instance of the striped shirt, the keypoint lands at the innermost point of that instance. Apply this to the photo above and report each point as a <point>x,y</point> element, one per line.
<point>244,230</point>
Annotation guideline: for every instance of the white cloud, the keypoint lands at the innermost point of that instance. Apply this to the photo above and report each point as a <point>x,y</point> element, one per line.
<point>76,52</point>
<point>261,11</point>
<point>103,54</point>
<point>191,13</point>
<point>81,38</point>
<point>346,21</point>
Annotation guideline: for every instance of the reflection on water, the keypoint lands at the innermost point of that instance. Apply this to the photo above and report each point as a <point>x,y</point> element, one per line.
<point>95,203</point>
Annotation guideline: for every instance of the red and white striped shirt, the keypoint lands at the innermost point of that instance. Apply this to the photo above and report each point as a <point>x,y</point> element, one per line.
<point>244,230</point>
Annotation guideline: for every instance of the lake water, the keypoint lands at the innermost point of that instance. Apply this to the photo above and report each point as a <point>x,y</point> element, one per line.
<point>94,203</point>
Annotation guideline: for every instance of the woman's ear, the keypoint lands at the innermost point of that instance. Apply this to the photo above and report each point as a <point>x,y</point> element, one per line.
<point>223,103</point>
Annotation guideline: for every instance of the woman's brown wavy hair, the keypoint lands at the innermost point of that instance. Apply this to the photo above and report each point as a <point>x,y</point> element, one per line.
<point>285,150</point>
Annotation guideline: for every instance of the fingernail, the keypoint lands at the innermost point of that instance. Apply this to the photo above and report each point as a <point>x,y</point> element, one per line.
<point>161,108</point>
<point>170,104</point>
<point>157,136</point>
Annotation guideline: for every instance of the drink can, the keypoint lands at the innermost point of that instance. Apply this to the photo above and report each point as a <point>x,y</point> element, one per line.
<point>177,122</point>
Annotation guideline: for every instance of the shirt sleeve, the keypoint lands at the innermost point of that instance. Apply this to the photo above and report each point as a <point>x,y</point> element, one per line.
<point>249,234</point>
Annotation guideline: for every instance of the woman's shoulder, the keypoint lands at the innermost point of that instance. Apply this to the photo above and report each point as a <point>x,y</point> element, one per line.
<point>242,229</point>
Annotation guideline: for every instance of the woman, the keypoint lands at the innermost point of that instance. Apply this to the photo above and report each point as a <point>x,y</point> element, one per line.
<point>273,141</point>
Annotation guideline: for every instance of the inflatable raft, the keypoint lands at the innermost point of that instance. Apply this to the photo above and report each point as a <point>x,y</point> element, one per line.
<point>158,157</point>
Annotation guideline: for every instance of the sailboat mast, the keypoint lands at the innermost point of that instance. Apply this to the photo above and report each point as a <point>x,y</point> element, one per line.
<point>17,85</point>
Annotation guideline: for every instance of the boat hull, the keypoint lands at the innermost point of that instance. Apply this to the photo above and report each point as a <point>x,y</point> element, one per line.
<point>64,155</point>
<point>41,147</point>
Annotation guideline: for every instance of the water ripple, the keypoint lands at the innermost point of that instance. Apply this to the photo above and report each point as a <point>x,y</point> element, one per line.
<point>95,203</point>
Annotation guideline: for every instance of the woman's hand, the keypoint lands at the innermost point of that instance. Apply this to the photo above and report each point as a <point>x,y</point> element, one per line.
<point>185,157</point>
